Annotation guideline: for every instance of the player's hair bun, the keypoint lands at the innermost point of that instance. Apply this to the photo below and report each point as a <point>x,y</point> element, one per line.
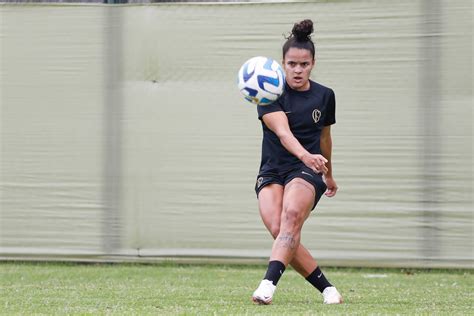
<point>302,31</point>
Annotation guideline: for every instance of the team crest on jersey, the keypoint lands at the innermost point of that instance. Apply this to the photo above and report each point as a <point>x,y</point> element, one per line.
<point>316,115</point>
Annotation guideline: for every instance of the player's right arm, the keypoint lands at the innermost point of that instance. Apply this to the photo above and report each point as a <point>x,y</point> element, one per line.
<point>277,122</point>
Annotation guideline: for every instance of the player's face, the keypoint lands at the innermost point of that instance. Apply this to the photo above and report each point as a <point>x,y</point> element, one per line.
<point>298,64</point>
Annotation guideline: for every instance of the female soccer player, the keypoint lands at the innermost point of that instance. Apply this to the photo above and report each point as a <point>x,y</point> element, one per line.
<point>296,168</point>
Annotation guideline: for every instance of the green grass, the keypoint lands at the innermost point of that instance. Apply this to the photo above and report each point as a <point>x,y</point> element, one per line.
<point>172,289</point>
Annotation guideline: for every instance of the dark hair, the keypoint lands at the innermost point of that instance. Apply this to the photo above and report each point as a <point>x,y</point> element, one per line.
<point>300,37</point>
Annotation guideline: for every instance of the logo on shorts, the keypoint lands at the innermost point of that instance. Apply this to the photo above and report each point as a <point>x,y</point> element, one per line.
<point>316,115</point>
<point>309,174</point>
<point>259,182</point>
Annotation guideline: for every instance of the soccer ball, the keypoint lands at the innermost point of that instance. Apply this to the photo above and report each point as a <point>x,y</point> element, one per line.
<point>261,80</point>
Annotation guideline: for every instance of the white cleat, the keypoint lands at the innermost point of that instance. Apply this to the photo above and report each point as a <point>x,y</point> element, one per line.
<point>332,296</point>
<point>264,293</point>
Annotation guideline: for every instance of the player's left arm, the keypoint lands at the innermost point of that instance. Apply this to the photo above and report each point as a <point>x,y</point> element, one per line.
<point>326,151</point>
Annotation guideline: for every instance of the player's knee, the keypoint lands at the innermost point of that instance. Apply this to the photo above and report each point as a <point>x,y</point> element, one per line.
<point>292,219</point>
<point>275,230</point>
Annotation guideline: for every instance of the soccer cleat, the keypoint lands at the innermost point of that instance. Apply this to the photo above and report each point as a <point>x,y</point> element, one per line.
<point>332,296</point>
<point>264,293</point>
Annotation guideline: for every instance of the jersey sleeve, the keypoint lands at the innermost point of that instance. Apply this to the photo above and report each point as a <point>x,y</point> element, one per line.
<point>330,109</point>
<point>273,107</point>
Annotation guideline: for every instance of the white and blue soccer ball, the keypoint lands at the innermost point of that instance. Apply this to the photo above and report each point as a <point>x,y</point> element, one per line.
<point>261,80</point>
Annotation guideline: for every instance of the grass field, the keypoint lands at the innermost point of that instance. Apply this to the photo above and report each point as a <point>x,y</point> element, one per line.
<point>172,289</point>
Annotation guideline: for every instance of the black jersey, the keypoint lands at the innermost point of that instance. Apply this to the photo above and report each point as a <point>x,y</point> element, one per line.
<point>308,112</point>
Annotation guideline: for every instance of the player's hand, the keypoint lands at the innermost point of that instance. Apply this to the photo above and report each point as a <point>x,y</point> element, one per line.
<point>332,187</point>
<point>317,163</point>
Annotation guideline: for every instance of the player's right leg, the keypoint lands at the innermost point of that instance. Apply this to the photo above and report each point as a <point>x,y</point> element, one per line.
<point>271,196</point>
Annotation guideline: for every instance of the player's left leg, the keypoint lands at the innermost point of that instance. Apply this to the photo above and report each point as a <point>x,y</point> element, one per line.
<point>270,202</point>
<point>298,200</point>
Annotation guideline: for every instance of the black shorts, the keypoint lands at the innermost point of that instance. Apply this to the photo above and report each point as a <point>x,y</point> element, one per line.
<point>303,172</point>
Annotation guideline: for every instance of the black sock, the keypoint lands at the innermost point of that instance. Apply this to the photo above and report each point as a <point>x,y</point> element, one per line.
<point>318,280</point>
<point>274,271</point>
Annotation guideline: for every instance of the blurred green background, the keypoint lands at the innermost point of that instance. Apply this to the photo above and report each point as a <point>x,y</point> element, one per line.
<point>124,137</point>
